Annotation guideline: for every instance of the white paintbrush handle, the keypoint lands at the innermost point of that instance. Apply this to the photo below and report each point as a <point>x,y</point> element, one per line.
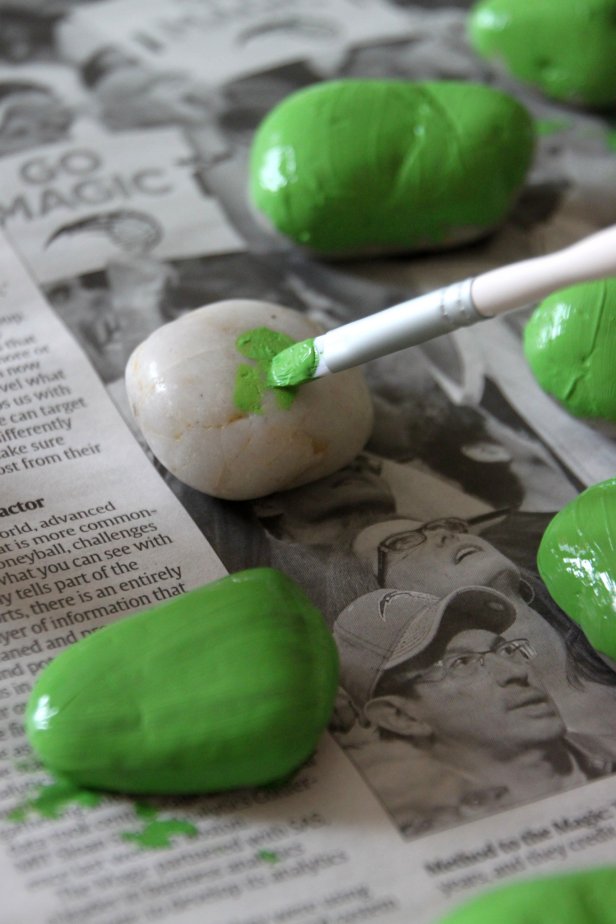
<point>529,281</point>
<point>464,303</point>
<point>395,328</point>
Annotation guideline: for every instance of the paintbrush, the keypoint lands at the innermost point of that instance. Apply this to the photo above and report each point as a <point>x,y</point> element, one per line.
<point>457,305</point>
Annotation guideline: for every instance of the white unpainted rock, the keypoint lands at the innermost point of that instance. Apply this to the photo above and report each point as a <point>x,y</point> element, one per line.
<point>180,383</point>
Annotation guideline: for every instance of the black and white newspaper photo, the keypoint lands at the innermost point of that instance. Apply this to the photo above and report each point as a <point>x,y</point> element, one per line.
<point>473,737</point>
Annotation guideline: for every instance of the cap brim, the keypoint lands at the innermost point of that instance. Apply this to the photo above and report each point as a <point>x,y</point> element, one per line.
<point>488,609</point>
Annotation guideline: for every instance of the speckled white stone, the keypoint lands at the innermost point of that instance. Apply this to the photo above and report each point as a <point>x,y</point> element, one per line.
<point>180,383</point>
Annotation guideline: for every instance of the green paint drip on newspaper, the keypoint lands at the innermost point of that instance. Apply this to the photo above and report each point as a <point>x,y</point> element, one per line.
<point>251,382</point>
<point>52,799</point>
<point>157,833</point>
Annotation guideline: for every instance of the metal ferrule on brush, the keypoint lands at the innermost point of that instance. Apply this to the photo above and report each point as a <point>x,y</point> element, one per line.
<point>396,328</point>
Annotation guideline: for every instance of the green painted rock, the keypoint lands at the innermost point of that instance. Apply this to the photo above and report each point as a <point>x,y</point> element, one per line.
<point>229,685</point>
<point>566,48</point>
<point>577,562</point>
<point>570,344</point>
<point>570,898</point>
<point>354,166</point>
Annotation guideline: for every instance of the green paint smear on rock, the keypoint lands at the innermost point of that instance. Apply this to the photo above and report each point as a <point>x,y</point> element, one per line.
<point>577,564</point>
<point>157,834</point>
<point>251,382</point>
<point>53,798</point>
<point>570,898</point>
<point>565,48</point>
<point>570,345</point>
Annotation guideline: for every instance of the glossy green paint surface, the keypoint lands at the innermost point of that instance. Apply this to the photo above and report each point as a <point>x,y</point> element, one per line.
<point>295,365</point>
<point>577,563</point>
<point>563,47</point>
<point>570,345</point>
<point>353,165</point>
<point>252,382</point>
<point>571,898</point>
<point>229,685</point>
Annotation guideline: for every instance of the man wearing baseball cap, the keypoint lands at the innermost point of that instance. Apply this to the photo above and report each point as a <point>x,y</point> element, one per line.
<point>443,554</point>
<point>464,726</point>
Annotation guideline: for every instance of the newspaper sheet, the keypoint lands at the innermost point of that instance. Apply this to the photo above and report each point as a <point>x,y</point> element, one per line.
<point>124,138</point>
<point>222,41</point>
<point>131,193</point>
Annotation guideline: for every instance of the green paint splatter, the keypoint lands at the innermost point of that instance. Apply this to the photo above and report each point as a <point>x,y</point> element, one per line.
<point>157,833</point>
<point>551,126</point>
<point>261,345</point>
<point>584,897</point>
<point>268,856</point>
<point>53,798</point>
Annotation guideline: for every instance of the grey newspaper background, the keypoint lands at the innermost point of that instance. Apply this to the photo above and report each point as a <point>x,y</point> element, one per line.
<point>124,136</point>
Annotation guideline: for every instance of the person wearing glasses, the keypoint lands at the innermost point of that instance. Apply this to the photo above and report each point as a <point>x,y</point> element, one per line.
<point>403,547</point>
<point>464,726</point>
<point>441,555</point>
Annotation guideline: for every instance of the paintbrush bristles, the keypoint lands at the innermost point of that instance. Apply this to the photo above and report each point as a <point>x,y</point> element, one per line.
<point>293,366</point>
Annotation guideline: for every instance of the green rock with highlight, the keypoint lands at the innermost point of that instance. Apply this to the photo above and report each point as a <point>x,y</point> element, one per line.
<point>355,166</point>
<point>570,345</point>
<point>577,563</point>
<point>570,898</point>
<point>565,48</point>
<point>229,685</point>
